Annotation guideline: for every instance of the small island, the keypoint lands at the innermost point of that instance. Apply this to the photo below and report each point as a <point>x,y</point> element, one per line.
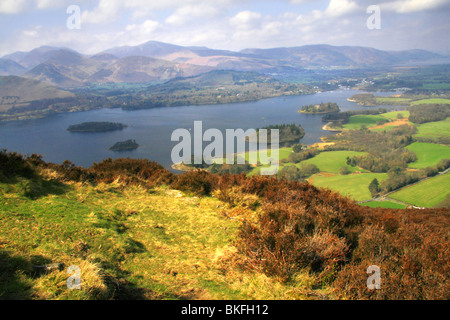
<point>96,127</point>
<point>128,145</point>
<point>364,99</point>
<point>289,134</point>
<point>320,108</point>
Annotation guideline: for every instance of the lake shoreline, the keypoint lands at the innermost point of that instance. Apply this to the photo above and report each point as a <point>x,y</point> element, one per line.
<point>153,128</point>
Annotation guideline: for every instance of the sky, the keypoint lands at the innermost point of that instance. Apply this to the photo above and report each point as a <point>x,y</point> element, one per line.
<point>225,24</point>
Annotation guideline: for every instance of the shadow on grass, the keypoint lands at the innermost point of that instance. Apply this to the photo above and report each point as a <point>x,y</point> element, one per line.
<point>37,188</point>
<point>13,270</point>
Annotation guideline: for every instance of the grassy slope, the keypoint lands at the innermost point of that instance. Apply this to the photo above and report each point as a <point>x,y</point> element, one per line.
<point>427,193</point>
<point>145,244</point>
<point>333,161</point>
<point>283,154</point>
<point>434,129</point>
<point>394,114</point>
<point>393,100</point>
<point>428,154</point>
<point>355,186</point>
<point>357,121</point>
<point>431,101</point>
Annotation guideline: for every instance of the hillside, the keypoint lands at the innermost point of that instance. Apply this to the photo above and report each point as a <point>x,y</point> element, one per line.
<point>276,59</point>
<point>157,61</point>
<point>344,56</point>
<point>10,67</point>
<point>214,87</point>
<point>143,69</point>
<point>16,91</point>
<point>137,231</point>
<point>36,56</point>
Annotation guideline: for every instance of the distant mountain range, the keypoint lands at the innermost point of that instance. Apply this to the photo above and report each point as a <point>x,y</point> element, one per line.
<point>156,61</point>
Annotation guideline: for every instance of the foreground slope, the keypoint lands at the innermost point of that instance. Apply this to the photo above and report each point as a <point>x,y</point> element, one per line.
<point>136,231</point>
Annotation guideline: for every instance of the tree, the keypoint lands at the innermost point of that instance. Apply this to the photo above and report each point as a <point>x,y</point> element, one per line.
<point>374,188</point>
<point>297,148</point>
<point>344,171</point>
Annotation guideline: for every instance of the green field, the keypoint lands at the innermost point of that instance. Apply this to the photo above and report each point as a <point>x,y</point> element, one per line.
<point>393,115</point>
<point>393,100</point>
<point>332,161</point>
<point>355,186</point>
<point>357,121</point>
<point>428,154</point>
<point>431,101</point>
<point>434,129</point>
<point>384,204</point>
<point>427,193</point>
<point>283,154</point>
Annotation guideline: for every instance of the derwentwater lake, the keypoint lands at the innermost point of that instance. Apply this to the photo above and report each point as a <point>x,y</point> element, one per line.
<point>152,128</point>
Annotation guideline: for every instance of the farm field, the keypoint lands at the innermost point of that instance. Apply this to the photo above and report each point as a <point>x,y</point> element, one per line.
<point>434,129</point>
<point>393,115</point>
<point>355,186</point>
<point>357,121</point>
<point>428,154</point>
<point>332,161</point>
<point>370,121</point>
<point>427,193</point>
<point>283,154</point>
<point>431,101</point>
<point>393,100</point>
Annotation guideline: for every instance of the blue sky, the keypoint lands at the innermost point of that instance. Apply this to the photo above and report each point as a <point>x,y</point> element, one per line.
<point>224,24</point>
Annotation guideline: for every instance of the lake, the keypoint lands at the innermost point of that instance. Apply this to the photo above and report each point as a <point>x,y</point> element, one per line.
<point>152,128</point>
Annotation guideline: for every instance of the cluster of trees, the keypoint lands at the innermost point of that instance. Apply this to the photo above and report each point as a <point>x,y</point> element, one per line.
<point>179,94</point>
<point>320,108</point>
<point>398,177</point>
<point>429,113</point>
<point>127,145</point>
<point>301,154</point>
<point>293,173</point>
<point>383,162</point>
<point>341,118</point>
<point>364,99</point>
<point>81,102</point>
<point>289,134</point>
<point>385,149</point>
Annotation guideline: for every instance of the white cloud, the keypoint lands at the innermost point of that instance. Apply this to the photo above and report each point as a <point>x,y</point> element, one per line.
<point>340,7</point>
<point>188,14</point>
<point>234,25</point>
<point>107,11</point>
<point>246,20</point>
<point>409,6</point>
<point>13,7</point>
